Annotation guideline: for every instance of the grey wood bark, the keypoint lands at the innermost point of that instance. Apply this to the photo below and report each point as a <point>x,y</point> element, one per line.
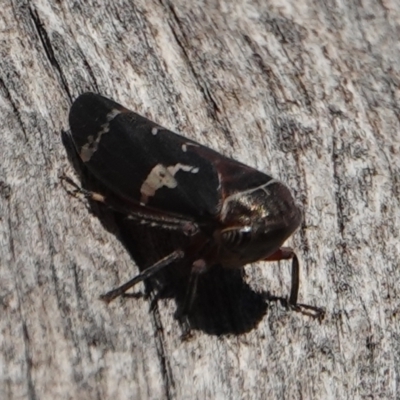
<point>307,91</point>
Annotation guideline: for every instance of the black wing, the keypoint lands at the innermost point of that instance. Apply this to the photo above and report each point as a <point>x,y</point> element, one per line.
<point>145,163</point>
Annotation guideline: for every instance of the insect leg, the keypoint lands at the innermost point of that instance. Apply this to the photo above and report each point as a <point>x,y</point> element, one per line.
<point>287,253</point>
<point>198,267</point>
<point>147,273</point>
<point>139,214</point>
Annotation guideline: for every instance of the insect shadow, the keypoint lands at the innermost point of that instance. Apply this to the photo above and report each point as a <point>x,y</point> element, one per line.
<point>224,302</point>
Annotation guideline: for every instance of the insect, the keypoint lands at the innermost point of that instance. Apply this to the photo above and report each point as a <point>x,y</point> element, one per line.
<point>231,214</point>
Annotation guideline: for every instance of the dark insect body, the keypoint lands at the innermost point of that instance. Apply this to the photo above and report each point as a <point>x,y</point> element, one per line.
<point>232,214</point>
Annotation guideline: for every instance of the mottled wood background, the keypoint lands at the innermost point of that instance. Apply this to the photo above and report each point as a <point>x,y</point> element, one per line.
<point>305,90</point>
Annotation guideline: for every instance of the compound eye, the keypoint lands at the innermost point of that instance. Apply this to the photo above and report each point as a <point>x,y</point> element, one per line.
<point>236,237</point>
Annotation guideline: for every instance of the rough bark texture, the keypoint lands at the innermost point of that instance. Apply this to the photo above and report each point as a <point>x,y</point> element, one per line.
<point>305,90</point>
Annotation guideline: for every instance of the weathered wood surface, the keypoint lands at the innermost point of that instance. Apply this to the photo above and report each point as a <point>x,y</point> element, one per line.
<point>306,90</point>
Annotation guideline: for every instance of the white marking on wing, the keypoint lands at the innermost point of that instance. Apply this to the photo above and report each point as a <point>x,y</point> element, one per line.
<point>162,176</point>
<point>92,145</point>
<point>185,146</point>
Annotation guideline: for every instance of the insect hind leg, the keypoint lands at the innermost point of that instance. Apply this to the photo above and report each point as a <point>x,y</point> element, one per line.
<point>138,214</point>
<point>147,273</point>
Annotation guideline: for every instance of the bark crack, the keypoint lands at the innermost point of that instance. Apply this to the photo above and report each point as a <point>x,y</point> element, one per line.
<point>48,48</point>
